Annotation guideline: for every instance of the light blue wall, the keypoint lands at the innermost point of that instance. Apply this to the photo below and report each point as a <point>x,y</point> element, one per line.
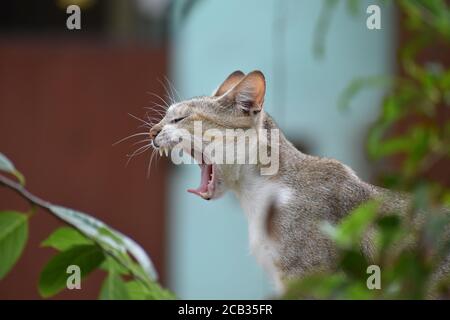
<point>209,255</point>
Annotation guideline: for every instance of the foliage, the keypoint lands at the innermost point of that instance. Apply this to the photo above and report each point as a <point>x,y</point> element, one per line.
<point>409,140</point>
<point>408,257</point>
<point>87,243</point>
<point>414,121</point>
<point>13,237</point>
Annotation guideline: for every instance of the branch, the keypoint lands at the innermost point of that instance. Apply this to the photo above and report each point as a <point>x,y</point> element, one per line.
<point>19,189</point>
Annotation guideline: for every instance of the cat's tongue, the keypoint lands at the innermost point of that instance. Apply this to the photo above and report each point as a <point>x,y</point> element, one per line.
<point>205,182</point>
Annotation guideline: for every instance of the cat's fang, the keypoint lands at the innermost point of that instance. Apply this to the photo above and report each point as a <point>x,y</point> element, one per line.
<point>160,152</point>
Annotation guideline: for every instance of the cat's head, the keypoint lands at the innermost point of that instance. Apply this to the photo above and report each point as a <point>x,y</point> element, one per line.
<point>236,104</point>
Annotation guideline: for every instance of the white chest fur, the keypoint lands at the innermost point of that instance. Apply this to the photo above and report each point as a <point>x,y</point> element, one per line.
<point>256,194</point>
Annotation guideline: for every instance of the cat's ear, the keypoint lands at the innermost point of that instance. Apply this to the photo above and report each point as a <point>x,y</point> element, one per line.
<point>248,94</point>
<point>232,80</point>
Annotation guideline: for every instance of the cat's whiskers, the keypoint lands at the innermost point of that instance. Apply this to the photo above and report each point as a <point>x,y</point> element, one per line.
<point>139,119</point>
<point>130,136</point>
<point>166,105</point>
<point>145,126</point>
<point>137,152</point>
<point>154,118</point>
<point>152,156</point>
<point>168,93</point>
<point>172,86</point>
<point>142,141</point>
<point>157,106</point>
<point>160,110</point>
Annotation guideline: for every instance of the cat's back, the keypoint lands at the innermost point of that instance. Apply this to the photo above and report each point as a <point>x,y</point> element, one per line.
<point>324,187</point>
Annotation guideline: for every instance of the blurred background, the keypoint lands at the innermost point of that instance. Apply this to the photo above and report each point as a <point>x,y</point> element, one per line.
<point>65,96</point>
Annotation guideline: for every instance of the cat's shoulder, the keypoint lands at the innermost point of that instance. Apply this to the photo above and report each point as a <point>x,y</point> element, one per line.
<point>324,169</point>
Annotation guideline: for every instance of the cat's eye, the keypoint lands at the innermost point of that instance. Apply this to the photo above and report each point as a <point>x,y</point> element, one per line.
<point>176,120</point>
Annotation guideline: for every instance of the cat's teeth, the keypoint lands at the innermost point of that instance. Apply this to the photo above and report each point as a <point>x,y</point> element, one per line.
<point>166,152</point>
<point>160,152</point>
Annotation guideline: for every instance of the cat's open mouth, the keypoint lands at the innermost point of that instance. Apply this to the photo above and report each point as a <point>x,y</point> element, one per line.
<point>207,182</point>
<point>208,177</point>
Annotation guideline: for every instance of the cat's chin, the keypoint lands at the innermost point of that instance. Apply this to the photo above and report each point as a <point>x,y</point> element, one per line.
<point>208,182</point>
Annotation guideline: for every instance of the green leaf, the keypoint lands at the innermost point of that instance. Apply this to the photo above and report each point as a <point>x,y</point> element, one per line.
<point>353,7</point>
<point>137,291</point>
<point>446,199</point>
<point>113,288</point>
<point>111,241</point>
<point>354,264</point>
<point>156,292</point>
<point>105,231</point>
<point>389,230</point>
<point>13,237</point>
<point>7,166</point>
<point>53,277</point>
<point>64,238</point>
<point>349,232</point>
<point>322,27</point>
<point>111,264</point>
<point>315,286</point>
<point>358,291</point>
<point>358,84</point>
<point>393,146</point>
<point>413,272</point>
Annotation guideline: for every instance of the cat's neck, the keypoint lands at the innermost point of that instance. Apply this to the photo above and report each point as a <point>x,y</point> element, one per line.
<point>241,177</point>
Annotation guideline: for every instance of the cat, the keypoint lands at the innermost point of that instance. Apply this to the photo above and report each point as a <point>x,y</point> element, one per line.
<point>284,209</point>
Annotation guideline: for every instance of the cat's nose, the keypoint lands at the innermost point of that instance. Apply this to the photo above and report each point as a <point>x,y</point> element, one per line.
<point>153,133</point>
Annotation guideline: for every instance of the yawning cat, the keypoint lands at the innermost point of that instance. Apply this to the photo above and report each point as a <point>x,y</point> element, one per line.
<point>284,207</point>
